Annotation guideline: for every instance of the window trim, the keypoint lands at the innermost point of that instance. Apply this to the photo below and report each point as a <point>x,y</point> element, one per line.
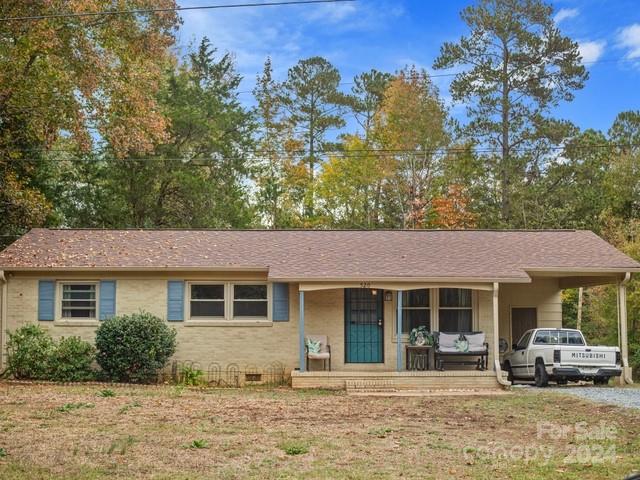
<point>188,299</point>
<point>59,292</point>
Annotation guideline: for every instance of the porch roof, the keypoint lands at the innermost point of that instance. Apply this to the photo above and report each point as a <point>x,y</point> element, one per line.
<point>324,255</point>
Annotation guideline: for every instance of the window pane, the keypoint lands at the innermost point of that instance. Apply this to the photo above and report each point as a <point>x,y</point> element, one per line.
<point>78,303</point>
<point>207,309</point>
<point>415,318</point>
<point>415,298</point>
<point>453,321</point>
<point>78,313</point>
<point>249,309</point>
<point>546,337</point>
<point>79,300</point>
<point>455,297</point>
<point>524,341</point>
<point>210,292</point>
<point>250,292</point>
<point>574,338</point>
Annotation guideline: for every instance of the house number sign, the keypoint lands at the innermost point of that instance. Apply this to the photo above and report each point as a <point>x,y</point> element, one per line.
<point>365,284</point>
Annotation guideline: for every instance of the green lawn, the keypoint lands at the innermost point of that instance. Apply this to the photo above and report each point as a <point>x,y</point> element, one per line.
<point>74,432</point>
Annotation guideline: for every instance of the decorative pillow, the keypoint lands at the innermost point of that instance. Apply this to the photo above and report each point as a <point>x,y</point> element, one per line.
<point>462,346</point>
<point>448,339</point>
<point>476,341</point>
<point>313,347</point>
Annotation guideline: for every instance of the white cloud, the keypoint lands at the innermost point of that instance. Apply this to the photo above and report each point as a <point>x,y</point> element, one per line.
<point>565,14</point>
<point>629,38</point>
<point>591,51</point>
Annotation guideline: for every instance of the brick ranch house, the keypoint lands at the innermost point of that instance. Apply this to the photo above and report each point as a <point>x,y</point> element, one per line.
<point>244,303</point>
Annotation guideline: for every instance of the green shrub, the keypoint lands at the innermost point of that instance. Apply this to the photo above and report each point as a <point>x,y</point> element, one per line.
<point>192,377</point>
<point>133,348</point>
<point>34,355</point>
<point>71,360</point>
<point>29,352</point>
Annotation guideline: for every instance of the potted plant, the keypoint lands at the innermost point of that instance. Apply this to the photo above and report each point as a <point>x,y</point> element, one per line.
<point>421,336</point>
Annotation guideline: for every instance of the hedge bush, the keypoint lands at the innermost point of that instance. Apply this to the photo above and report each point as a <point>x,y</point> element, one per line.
<point>71,360</point>
<point>34,355</point>
<point>133,348</point>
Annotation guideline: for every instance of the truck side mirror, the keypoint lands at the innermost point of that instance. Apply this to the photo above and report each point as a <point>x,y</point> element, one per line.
<point>514,346</point>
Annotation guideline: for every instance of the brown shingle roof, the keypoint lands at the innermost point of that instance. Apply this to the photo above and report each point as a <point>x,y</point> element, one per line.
<point>321,254</point>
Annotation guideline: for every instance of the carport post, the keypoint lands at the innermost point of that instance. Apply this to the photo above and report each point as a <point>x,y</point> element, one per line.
<point>301,331</point>
<point>622,325</point>
<point>399,333</point>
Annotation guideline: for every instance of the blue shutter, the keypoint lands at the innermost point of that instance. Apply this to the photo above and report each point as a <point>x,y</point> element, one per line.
<point>175,300</point>
<point>46,300</point>
<point>107,299</point>
<point>280,302</point>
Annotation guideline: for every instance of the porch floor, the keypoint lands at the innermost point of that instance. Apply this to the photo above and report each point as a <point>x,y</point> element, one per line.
<point>360,382</point>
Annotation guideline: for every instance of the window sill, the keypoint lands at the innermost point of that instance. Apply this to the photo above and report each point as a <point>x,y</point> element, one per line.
<point>77,323</point>
<point>228,323</point>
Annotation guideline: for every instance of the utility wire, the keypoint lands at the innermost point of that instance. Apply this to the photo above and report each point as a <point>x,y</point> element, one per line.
<point>168,9</point>
<point>380,153</point>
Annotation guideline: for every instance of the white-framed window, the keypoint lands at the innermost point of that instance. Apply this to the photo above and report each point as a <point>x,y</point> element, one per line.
<point>455,310</point>
<point>416,309</point>
<point>250,300</point>
<point>207,300</point>
<point>79,300</point>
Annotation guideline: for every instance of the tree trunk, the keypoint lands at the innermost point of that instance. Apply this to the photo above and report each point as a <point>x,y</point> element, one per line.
<point>505,179</point>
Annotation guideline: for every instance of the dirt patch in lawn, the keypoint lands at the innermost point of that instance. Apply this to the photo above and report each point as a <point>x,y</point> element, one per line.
<point>78,432</point>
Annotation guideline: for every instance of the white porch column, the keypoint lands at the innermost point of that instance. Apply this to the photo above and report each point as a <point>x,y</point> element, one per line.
<point>301,332</point>
<point>496,329</point>
<point>399,333</point>
<point>622,319</point>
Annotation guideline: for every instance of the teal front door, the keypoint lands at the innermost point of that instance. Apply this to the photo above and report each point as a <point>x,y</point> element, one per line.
<point>364,339</point>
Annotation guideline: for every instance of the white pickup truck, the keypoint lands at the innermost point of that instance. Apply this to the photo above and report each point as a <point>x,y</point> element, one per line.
<point>562,355</point>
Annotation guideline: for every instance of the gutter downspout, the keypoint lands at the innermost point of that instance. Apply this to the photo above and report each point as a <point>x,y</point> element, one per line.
<point>496,338</point>
<point>622,317</point>
<point>3,317</point>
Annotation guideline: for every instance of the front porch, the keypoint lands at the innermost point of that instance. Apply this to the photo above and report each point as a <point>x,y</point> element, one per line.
<point>367,326</point>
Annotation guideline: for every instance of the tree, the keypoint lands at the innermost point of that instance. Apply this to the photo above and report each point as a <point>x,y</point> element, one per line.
<point>349,186</point>
<point>75,77</point>
<point>410,128</point>
<point>313,106</point>
<point>451,210</point>
<point>269,174</point>
<point>519,67</point>
<point>198,178</point>
<point>572,193</point>
<point>366,97</point>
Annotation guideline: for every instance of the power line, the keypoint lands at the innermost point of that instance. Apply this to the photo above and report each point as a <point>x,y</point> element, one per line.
<point>380,153</point>
<point>168,9</point>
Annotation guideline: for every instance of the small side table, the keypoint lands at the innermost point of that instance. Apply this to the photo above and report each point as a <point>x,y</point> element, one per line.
<point>417,357</point>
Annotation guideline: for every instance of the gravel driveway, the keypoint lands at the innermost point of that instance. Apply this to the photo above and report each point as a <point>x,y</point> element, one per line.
<point>623,397</point>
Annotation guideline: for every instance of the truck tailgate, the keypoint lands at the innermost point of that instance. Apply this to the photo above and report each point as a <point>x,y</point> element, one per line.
<point>588,356</point>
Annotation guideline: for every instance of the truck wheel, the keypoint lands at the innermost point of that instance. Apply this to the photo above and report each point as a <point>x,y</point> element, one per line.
<point>601,380</point>
<point>540,375</point>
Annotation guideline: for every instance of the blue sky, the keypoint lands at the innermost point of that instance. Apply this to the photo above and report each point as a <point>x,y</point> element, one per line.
<point>387,35</point>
